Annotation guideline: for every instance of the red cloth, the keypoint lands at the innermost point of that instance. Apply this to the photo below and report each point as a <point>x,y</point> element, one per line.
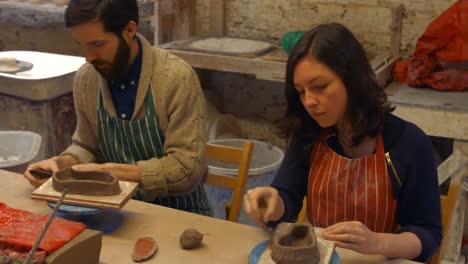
<point>21,228</point>
<point>445,40</point>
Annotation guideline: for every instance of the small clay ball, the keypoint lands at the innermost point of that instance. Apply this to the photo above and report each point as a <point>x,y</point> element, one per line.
<point>190,238</point>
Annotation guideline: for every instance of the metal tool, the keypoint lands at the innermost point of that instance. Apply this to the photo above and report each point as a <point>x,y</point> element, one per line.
<point>40,174</point>
<point>41,235</point>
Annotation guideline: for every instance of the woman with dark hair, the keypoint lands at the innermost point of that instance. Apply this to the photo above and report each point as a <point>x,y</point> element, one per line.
<point>369,177</point>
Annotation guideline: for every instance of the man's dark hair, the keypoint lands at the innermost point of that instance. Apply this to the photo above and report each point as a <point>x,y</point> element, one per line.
<point>114,14</point>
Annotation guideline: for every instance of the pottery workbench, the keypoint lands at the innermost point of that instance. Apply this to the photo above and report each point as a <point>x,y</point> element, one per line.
<point>224,242</point>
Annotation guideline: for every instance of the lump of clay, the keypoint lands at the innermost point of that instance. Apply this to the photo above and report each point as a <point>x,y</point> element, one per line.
<point>295,244</point>
<point>190,238</point>
<point>93,183</point>
<point>144,249</point>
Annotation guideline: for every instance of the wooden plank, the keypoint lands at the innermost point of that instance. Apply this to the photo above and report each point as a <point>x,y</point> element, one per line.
<point>428,98</point>
<point>184,19</point>
<point>164,21</point>
<point>223,181</point>
<point>216,9</point>
<point>439,123</point>
<point>89,241</point>
<point>452,166</point>
<point>278,54</point>
<point>395,40</point>
<point>224,153</point>
<point>46,192</point>
<point>265,70</point>
<point>382,65</point>
<point>455,229</point>
<point>158,40</point>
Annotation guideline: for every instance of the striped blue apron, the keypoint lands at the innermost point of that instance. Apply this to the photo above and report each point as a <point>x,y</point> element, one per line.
<point>124,141</point>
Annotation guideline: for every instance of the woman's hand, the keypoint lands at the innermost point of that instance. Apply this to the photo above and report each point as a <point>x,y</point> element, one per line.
<point>355,236</point>
<point>263,204</point>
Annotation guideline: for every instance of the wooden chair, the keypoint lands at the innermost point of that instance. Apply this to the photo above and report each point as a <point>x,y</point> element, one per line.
<point>447,204</point>
<point>236,184</point>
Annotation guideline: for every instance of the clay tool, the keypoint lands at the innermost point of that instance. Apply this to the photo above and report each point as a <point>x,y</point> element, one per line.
<point>40,174</point>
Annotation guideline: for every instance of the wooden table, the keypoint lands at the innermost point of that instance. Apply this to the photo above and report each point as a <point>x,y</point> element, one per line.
<point>224,242</point>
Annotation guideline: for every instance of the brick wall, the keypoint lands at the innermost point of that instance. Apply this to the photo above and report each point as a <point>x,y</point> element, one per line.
<point>369,19</point>
<point>268,20</point>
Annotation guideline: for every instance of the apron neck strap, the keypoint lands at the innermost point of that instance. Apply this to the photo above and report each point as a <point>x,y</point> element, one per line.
<point>379,146</point>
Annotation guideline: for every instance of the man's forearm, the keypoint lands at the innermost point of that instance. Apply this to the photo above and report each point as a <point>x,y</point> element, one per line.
<point>124,172</point>
<point>65,161</point>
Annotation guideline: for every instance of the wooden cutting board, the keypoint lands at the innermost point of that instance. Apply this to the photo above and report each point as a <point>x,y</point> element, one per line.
<point>47,192</point>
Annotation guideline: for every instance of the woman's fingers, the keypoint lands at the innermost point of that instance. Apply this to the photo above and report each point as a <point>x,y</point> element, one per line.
<point>274,208</point>
<point>344,228</point>
<point>252,209</point>
<point>346,238</point>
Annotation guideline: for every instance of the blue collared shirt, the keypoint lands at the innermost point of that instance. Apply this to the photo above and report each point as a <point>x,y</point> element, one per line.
<point>124,91</point>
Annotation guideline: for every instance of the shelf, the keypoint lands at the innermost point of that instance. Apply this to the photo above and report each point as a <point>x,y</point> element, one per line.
<point>263,69</point>
<point>175,25</point>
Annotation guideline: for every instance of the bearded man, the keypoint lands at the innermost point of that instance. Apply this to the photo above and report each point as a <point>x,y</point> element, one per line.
<point>140,110</point>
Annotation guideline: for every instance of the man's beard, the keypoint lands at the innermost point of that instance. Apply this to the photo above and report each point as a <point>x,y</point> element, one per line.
<point>119,66</point>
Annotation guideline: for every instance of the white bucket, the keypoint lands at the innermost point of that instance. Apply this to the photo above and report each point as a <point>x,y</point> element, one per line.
<point>223,127</point>
<point>266,159</point>
<point>18,148</point>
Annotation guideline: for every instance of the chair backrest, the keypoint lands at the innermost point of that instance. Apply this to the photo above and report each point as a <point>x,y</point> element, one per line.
<point>447,204</point>
<point>235,183</point>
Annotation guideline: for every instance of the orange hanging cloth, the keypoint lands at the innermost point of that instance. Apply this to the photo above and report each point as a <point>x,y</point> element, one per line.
<point>440,59</point>
<point>19,229</point>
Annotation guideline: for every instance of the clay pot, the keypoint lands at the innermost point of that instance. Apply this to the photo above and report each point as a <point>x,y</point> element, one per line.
<point>92,183</point>
<point>295,244</point>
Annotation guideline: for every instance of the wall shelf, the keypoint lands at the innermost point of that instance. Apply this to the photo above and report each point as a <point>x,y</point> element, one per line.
<point>174,23</point>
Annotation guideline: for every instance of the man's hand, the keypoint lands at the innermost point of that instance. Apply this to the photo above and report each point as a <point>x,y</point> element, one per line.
<point>48,165</point>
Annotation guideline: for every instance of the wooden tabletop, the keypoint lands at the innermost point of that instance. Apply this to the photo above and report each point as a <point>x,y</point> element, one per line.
<point>224,242</point>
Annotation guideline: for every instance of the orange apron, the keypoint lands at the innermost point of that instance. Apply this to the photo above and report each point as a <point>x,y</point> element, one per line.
<point>341,189</point>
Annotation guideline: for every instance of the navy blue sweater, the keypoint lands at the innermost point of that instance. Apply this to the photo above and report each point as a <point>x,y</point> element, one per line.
<point>418,197</point>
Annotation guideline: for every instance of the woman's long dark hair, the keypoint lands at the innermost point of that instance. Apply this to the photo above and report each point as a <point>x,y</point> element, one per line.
<point>336,47</point>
